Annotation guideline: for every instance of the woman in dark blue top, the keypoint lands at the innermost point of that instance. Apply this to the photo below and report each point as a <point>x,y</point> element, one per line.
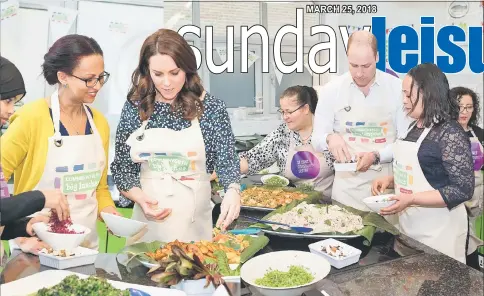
<point>433,167</point>
<point>167,94</point>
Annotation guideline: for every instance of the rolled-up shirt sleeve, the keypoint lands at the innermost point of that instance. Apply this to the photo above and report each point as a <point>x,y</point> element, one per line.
<point>323,124</point>
<point>457,161</point>
<point>264,154</point>
<point>125,171</point>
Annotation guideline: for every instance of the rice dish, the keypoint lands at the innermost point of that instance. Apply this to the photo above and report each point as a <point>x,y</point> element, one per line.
<point>322,219</point>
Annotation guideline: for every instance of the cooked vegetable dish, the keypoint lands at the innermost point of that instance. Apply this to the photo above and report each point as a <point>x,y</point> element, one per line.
<point>269,198</point>
<point>73,285</point>
<point>295,276</point>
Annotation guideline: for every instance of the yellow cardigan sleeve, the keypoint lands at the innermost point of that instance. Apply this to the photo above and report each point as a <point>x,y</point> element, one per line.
<point>103,195</point>
<point>15,143</point>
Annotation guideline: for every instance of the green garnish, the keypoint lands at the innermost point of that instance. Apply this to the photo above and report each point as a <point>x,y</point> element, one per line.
<point>296,276</point>
<point>305,187</point>
<point>327,222</point>
<point>223,264</point>
<point>275,181</point>
<point>300,211</point>
<point>73,285</point>
<point>216,186</point>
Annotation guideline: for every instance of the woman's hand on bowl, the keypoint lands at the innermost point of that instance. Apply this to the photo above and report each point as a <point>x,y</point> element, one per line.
<point>403,201</point>
<point>31,244</point>
<point>381,184</point>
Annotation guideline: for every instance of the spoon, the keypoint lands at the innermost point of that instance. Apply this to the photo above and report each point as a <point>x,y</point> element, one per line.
<point>298,229</point>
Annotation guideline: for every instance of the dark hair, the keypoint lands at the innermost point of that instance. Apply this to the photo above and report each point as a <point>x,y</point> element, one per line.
<point>437,104</point>
<point>458,92</point>
<point>304,95</point>
<point>64,55</point>
<point>143,91</point>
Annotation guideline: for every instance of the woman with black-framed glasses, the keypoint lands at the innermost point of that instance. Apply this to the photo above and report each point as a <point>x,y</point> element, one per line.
<point>59,143</point>
<point>469,109</point>
<point>290,144</point>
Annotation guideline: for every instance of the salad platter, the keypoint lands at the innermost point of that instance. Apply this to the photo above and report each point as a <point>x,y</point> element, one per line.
<point>328,221</point>
<point>49,281</point>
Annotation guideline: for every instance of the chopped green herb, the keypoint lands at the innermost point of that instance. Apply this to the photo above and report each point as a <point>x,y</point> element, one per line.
<point>327,222</point>
<point>296,276</point>
<point>275,181</point>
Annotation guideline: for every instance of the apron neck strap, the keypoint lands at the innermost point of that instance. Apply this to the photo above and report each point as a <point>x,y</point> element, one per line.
<point>472,132</point>
<point>55,107</point>
<point>195,121</point>
<point>424,134</point>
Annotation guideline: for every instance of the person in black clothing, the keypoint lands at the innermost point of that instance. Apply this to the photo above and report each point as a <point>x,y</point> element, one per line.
<point>469,111</point>
<point>14,210</point>
<point>433,167</point>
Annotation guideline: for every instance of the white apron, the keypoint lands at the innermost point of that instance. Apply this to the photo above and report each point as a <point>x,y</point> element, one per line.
<point>173,171</point>
<point>474,206</point>
<point>439,228</point>
<point>306,166</point>
<point>75,165</point>
<point>364,129</point>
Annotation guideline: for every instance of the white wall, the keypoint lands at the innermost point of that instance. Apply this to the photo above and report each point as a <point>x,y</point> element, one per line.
<point>27,51</point>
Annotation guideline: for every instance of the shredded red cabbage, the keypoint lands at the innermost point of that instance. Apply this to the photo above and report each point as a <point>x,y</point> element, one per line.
<point>57,226</point>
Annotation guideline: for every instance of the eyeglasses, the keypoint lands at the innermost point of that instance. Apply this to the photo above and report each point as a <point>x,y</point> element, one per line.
<point>290,112</point>
<point>91,82</point>
<point>18,97</point>
<point>466,108</point>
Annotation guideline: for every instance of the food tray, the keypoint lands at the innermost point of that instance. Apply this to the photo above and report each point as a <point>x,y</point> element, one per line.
<point>310,236</point>
<point>83,256</point>
<point>352,258</point>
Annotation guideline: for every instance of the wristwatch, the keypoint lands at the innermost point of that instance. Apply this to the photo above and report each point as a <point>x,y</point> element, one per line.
<point>377,157</point>
<point>234,186</point>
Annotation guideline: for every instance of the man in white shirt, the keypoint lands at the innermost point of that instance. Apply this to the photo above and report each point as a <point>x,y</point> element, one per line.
<point>358,117</point>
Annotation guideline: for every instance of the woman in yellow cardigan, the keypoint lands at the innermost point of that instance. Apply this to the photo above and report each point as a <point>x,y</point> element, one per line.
<point>59,142</point>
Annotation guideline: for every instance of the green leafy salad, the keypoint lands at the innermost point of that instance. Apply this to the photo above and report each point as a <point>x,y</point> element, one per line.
<point>295,276</point>
<point>73,285</point>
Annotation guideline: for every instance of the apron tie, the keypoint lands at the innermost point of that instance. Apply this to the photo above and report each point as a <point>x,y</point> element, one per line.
<point>170,178</point>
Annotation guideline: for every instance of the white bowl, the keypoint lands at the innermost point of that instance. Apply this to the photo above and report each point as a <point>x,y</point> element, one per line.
<point>376,203</point>
<point>353,254</point>
<point>197,287</point>
<point>345,167</point>
<point>61,241</point>
<point>122,226</point>
<point>267,177</point>
<point>258,266</point>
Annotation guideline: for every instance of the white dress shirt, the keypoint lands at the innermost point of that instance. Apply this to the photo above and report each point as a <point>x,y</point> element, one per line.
<point>330,101</point>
